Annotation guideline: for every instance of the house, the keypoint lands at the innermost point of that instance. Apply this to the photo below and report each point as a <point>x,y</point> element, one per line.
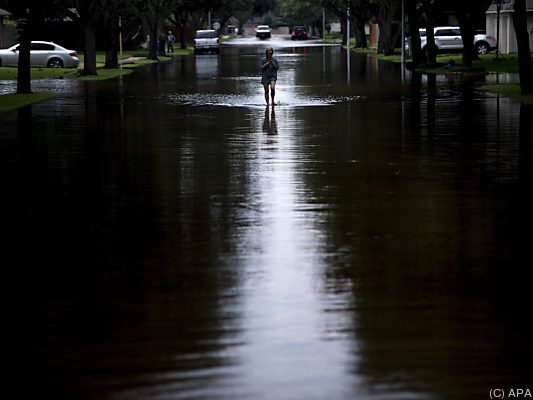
<point>6,32</point>
<point>507,39</point>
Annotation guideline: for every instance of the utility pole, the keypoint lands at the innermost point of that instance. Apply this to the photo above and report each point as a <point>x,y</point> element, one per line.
<point>209,19</point>
<point>348,28</point>
<point>498,10</point>
<point>403,34</point>
<point>120,38</point>
<point>323,24</point>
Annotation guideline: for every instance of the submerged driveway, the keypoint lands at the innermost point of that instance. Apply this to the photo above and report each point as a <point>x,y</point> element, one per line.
<point>167,236</point>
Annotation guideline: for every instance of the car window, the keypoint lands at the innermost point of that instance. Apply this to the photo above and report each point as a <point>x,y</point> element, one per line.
<point>42,46</point>
<point>456,32</point>
<point>206,35</point>
<point>444,32</point>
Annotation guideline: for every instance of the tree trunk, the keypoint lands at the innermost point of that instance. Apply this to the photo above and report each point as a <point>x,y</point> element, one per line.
<point>360,34</point>
<point>89,60</point>
<point>183,42</point>
<point>112,45</point>
<point>467,34</point>
<point>23,69</point>
<point>152,43</point>
<point>524,51</point>
<point>431,49</point>
<point>386,37</point>
<point>412,15</point>
<point>24,72</point>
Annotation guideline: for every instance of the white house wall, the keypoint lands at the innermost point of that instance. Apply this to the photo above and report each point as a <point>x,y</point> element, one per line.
<point>507,40</point>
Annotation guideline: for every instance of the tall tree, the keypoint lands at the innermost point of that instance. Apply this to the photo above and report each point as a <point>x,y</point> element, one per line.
<point>339,8</point>
<point>430,9</point>
<point>28,16</point>
<point>386,11</point>
<point>111,12</point>
<point>301,12</point>
<point>87,13</point>
<point>152,14</point>
<point>362,12</point>
<point>524,51</point>
<point>226,9</point>
<point>413,16</point>
<point>467,12</point>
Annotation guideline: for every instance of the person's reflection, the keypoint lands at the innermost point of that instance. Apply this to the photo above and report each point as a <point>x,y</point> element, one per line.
<point>269,123</point>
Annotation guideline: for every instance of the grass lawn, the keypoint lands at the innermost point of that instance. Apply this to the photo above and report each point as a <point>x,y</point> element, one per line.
<point>487,62</point>
<point>10,73</point>
<point>509,90</point>
<point>9,102</point>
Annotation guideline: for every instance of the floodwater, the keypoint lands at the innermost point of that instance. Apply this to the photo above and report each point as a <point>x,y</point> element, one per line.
<point>166,236</point>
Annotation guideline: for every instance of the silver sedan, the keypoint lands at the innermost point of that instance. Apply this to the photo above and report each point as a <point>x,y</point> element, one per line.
<point>42,54</point>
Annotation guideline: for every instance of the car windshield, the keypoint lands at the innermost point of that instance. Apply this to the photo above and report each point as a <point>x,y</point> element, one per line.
<point>263,27</point>
<point>206,34</point>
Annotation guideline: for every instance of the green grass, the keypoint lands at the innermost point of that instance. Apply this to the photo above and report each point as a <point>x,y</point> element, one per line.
<point>9,102</point>
<point>509,90</point>
<point>106,74</point>
<point>11,73</point>
<point>505,63</point>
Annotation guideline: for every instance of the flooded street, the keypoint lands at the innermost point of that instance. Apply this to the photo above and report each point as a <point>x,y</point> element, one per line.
<point>166,236</point>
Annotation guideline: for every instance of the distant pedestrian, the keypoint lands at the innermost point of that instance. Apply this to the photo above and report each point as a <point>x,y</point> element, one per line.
<point>269,74</point>
<point>171,39</point>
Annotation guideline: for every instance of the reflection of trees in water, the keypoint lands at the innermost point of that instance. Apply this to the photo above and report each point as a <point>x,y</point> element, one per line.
<point>131,237</point>
<point>431,238</point>
<point>525,132</point>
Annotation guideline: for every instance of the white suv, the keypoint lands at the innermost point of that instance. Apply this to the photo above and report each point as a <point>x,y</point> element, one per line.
<point>206,40</point>
<point>449,38</point>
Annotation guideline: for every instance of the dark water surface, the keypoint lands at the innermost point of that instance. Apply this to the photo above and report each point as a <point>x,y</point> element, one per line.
<point>166,236</point>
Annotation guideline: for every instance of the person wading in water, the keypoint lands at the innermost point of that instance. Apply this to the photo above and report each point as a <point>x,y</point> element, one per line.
<point>269,70</point>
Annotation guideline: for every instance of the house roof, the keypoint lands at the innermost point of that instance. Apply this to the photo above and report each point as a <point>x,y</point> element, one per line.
<point>3,12</point>
<point>508,7</point>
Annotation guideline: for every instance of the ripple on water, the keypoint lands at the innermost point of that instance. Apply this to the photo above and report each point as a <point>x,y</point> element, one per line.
<point>253,101</point>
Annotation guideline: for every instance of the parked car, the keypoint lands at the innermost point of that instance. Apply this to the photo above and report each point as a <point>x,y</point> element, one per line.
<point>263,32</point>
<point>42,54</point>
<point>449,38</point>
<point>299,33</point>
<point>206,40</point>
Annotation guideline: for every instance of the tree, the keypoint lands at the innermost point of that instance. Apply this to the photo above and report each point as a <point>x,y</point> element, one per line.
<point>339,8</point>
<point>110,13</point>
<point>226,9</point>
<point>152,14</point>
<point>27,15</point>
<point>87,13</point>
<point>524,51</point>
<point>413,16</point>
<point>386,11</point>
<point>467,12</point>
<point>430,9</point>
<point>302,12</point>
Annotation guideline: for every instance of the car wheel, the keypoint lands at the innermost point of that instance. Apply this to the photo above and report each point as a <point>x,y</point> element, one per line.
<point>482,48</point>
<point>55,63</point>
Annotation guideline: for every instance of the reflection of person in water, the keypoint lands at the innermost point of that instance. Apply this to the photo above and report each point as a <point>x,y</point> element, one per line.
<point>269,123</point>
<point>269,73</point>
